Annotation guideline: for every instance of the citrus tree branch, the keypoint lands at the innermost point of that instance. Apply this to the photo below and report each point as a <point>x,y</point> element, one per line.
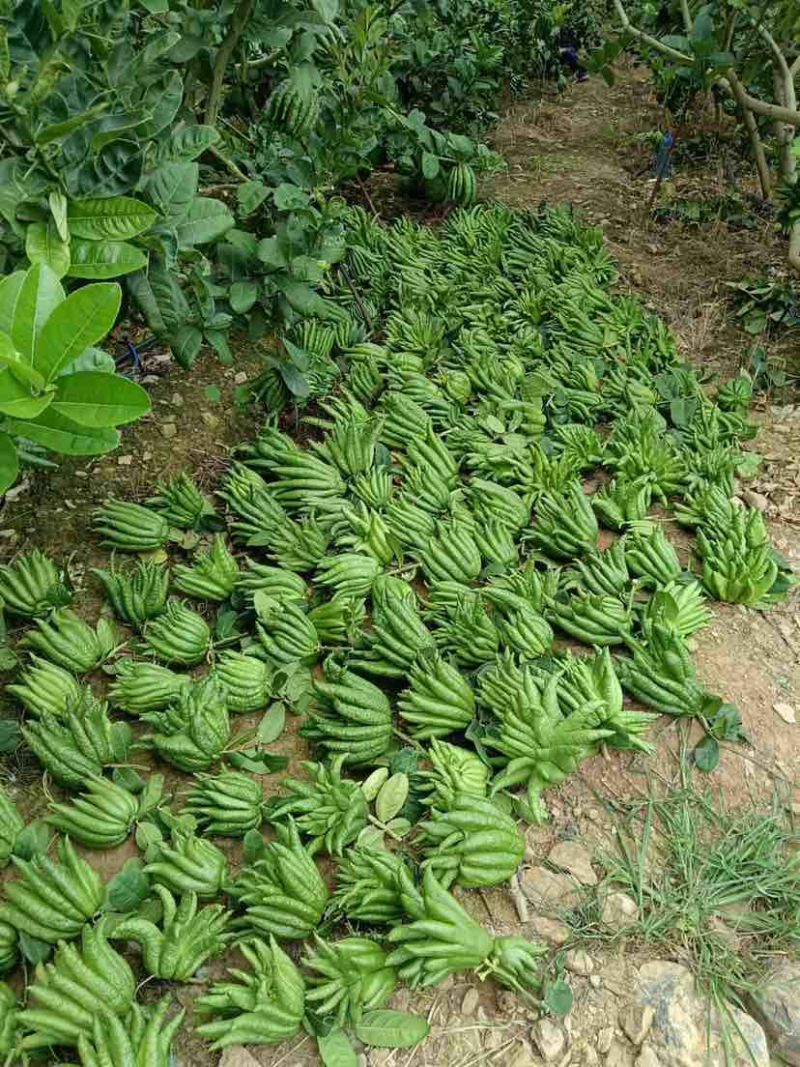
<point>645,38</point>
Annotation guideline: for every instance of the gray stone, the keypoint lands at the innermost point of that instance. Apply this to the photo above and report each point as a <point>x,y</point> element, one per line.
<point>469,1005</point>
<point>619,911</point>
<point>549,1039</point>
<point>619,1055</point>
<point>636,1020</point>
<point>605,1039</point>
<point>777,1007</point>
<point>686,1031</point>
<point>647,1058</point>
<point>237,1056</point>
<point>754,499</point>
<point>521,1055</point>
<point>579,961</point>
<point>548,891</point>
<point>550,930</point>
<point>168,429</point>
<point>572,857</point>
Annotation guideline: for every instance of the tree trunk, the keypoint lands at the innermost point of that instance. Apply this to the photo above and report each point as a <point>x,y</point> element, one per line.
<point>760,159</point>
<point>239,19</point>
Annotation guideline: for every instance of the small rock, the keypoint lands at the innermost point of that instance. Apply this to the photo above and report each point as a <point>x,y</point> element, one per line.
<point>210,420</point>
<point>579,961</point>
<point>549,1039</point>
<point>124,461</point>
<point>619,911</point>
<point>469,1004</point>
<point>777,1008</point>
<point>147,455</point>
<point>686,1029</point>
<point>240,378</point>
<point>754,499</point>
<point>604,1039</point>
<point>176,400</point>
<point>168,429</point>
<point>237,1056</point>
<point>548,891</point>
<point>647,1058</point>
<point>521,1055</point>
<point>595,981</point>
<point>636,1020</point>
<point>572,857</point>
<point>619,1055</point>
<point>786,712</point>
<point>550,930</point>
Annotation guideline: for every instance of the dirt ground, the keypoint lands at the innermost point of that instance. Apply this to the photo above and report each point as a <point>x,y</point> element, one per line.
<point>583,148</point>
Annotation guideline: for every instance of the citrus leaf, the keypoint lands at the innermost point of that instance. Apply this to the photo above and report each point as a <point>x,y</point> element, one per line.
<point>272,724</point>
<point>335,1049</point>
<point>372,785</point>
<point>392,1029</point>
<point>392,796</point>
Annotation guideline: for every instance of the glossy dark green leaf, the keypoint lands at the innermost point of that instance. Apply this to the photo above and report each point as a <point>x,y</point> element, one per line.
<point>129,888</point>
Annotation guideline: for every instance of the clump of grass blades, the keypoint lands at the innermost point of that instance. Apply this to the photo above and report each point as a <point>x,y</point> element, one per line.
<point>716,887</point>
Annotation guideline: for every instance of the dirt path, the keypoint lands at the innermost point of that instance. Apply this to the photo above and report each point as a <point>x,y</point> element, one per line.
<point>586,147</point>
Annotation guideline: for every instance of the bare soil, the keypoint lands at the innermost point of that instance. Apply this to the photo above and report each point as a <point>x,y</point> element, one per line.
<point>581,148</point>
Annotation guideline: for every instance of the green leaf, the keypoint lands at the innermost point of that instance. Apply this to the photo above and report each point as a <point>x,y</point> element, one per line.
<point>391,1029</point>
<point>38,296</point>
<point>129,888</point>
<point>9,735</point>
<point>17,399</point>
<point>96,399</point>
<point>53,431</point>
<point>205,220</point>
<point>558,997</point>
<point>272,724</point>
<point>10,287</point>
<point>32,841</point>
<point>257,762</point>
<point>250,195</point>
<point>43,245</point>
<point>185,344</point>
<point>109,218</point>
<point>148,835</point>
<point>335,1049</point>
<point>294,380</point>
<point>242,296</point>
<point>58,209</point>
<point>430,165</point>
<point>174,186</point>
<point>32,949</point>
<point>287,197</point>
<point>253,844</point>
<point>212,394</point>
<point>371,785</point>
<point>187,143</point>
<point>104,259</point>
<point>392,796</point>
<point>269,251</point>
<point>706,754</point>
<point>77,323</point>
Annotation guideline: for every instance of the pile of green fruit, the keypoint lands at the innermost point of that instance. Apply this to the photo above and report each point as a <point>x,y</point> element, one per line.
<point>454,582</point>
